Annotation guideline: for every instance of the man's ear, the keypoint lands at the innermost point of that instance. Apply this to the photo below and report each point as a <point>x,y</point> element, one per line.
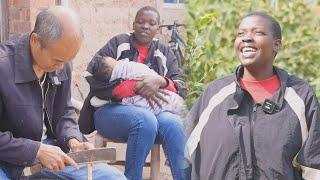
<point>277,45</point>
<point>35,40</point>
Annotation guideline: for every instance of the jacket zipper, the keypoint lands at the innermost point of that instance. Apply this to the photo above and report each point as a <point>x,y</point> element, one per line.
<point>255,107</point>
<point>254,113</point>
<point>254,118</point>
<point>46,109</point>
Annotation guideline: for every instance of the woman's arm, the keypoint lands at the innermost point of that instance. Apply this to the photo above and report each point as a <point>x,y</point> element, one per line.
<point>309,154</point>
<point>103,89</point>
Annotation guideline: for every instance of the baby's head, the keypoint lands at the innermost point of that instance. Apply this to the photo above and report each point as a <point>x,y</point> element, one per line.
<point>102,68</point>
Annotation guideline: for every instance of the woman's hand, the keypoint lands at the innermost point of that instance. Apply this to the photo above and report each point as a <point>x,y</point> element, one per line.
<point>158,99</point>
<point>148,86</point>
<point>76,146</point>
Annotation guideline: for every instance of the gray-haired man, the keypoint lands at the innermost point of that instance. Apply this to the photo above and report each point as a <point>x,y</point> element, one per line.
<point>37,120</point>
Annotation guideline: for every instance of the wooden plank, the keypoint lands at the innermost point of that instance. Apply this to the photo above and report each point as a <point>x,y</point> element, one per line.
<point>84,157</point>
<point>90,169</point>
<point>155,162</point>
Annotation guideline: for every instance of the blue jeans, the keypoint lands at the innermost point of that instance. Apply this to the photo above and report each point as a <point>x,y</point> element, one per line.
<point>101,171</point>
<point>141,128</point>
<point>3,175</point>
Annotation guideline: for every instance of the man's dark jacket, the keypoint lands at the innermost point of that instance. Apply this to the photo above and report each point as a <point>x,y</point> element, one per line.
<point>21,108</point>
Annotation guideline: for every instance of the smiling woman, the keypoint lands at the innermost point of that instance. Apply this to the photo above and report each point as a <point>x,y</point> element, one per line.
<point>256,46</point>
<point>259,123</point>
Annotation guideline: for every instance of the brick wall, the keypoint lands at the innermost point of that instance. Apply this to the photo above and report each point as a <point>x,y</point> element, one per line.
<point>22,15</point>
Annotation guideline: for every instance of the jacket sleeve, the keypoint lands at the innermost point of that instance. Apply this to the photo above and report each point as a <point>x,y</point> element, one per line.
<point>102,89</point>
<point>175,73</point>
<point>109,49</point>
<point>190,123</point>
<point>86,124</point>
<point>192,118</point>
<point>125,89</point>
<point>309,154</point>
<point>18,151</point>
<point>67,126</point>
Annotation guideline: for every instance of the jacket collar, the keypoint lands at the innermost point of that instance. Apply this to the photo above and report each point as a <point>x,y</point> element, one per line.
<point>23,71</point>
<point>277,98</point>
<point>152,48</point>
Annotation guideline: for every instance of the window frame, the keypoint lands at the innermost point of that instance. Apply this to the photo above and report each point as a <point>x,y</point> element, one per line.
<point>176,5</point>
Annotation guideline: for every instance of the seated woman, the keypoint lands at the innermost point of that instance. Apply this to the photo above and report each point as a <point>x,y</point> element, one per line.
<point>109,69</point>
<point>137,126</point>
<point>259,123</point>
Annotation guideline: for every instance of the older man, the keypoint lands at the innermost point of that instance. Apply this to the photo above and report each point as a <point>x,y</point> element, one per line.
<point>37,120</point>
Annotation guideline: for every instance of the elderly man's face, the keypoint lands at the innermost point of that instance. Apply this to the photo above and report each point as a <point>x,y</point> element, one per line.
<point>56,54</point>
<point>145,27</point>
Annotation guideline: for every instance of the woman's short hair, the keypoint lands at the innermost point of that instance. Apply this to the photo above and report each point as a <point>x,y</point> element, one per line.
<point>275,26</point>
<point>148,8</point>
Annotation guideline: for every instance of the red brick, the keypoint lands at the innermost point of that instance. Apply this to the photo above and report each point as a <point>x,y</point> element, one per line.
<point>14,14</point>
<point>35,3</point>
<point>25,14</point>
<point>15,27</point>
<point>21,3</point>
<point>10,2</point>
<point>21,27</point>
<point>45,4</point>
<point>58,2</point>
<point>11,28</point>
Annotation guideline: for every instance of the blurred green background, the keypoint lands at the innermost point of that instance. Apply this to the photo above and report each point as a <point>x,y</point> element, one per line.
<point>211,32</point>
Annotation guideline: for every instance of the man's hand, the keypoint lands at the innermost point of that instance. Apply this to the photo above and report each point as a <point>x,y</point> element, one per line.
<point>76,146</point>
<point>148,86</point>
<point>53,158</point>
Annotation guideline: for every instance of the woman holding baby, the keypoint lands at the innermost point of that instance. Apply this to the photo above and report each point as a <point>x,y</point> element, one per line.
<point>137,126</point>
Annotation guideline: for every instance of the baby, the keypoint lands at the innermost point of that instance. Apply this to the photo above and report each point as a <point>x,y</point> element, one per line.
<point>109,69</point>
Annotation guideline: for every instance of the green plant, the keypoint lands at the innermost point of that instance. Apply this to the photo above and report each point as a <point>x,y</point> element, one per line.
<point>212,29</point>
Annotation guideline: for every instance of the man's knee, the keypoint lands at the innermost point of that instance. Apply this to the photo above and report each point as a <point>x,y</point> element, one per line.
<point>3,175</point>
<point>105,171</point>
